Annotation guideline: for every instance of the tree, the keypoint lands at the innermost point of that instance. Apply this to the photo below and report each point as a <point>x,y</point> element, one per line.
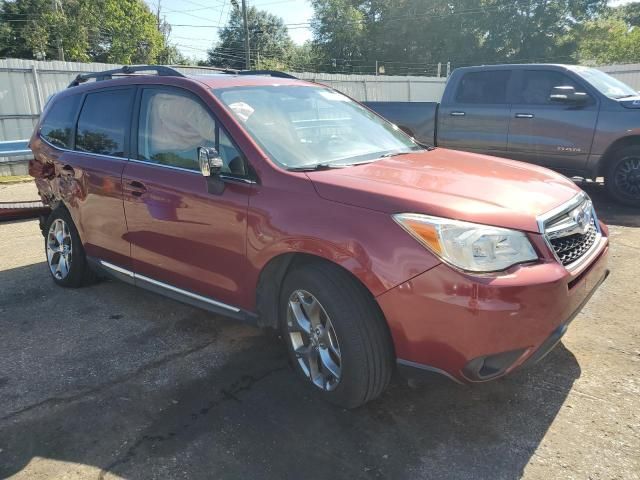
<point>612,38</point>
<point>269,42</point>
<point>118,31</point>
<point>412,36</point>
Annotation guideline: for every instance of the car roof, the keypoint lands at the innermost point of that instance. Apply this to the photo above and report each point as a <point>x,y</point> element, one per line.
<point>516,66</point>
<point>226,80</point>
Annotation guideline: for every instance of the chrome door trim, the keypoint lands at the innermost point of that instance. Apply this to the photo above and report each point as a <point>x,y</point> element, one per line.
<point>196,172</point>
<point>185,293</point>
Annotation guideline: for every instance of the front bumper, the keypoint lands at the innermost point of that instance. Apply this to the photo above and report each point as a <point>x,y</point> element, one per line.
<point>474,328</point>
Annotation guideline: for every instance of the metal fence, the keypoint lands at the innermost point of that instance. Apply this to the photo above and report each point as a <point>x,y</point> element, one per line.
<point>25,86</point>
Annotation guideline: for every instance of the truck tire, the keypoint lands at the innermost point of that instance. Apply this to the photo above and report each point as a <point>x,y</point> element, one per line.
<point>622,176</point>
<point>65,255</point>
<point>336,334</point>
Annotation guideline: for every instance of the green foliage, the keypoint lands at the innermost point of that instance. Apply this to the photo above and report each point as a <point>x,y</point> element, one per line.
<point>269,42</point>
<point>117,31</point>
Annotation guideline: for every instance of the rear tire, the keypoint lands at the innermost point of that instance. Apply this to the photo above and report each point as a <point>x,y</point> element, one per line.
<point>622,176</point>
<point>336,334</point>
<point>65,255</point>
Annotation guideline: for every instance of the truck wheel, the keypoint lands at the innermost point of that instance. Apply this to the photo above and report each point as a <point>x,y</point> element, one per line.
<point>622,177</point>
<point>65,255</point>
<point>336,335</point>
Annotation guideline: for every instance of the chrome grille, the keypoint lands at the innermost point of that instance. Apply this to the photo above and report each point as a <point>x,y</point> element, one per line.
<point>571,248</point>
<point>572,231</point>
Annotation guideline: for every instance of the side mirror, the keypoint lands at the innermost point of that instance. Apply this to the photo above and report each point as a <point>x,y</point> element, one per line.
<point>210,161</point>
<point>568,95</point>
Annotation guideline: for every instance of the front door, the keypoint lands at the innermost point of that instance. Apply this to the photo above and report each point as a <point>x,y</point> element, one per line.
<point>554,135</point>
<point>181,235</point>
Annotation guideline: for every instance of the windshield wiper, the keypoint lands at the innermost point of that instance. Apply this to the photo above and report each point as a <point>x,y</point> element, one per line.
<point>314,168</point>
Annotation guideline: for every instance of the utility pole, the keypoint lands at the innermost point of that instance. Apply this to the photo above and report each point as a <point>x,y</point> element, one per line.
<point>247,53</point>
<point>58,39</point>
<point>158,16</point>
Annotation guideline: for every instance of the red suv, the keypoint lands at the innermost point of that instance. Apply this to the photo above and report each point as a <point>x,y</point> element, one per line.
<point>285,203</point>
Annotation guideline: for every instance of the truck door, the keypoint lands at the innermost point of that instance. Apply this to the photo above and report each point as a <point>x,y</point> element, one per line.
<point>555,135</point>
<point>475,116</point>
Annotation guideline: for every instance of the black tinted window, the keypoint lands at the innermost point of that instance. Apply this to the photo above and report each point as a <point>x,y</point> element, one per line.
<point>57,126</point>
<point>537,86</point>
<point>484,87</point>
<point>103,121</point>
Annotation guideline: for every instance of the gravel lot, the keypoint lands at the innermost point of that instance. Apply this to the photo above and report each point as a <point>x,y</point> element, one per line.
<point>113,382</point>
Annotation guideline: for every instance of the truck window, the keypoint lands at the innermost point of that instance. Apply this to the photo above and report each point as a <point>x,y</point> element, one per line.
<point>487,87</point>
<point>57,126</point>
<point>537,86</point>
<point>103,122</point>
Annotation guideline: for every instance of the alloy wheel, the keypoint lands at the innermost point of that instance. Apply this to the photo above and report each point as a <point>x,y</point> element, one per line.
<point>314,340</point>
<point>627,176</point>
<point>59,249</point>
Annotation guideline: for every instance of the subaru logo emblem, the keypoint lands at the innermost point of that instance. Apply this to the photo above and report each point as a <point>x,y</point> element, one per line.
<point>582,218</point>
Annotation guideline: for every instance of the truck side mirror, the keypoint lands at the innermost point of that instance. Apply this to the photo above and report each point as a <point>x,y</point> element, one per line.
<point>210,161</point>
<point>568,95</point>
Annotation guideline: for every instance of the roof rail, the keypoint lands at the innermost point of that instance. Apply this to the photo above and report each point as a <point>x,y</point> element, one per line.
<point>125,70</point>
<point>271,73</point>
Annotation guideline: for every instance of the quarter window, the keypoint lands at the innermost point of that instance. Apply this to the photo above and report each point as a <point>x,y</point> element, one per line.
<point>173,125</point>
<point>57,126</point>
<point>103,121</point>
<point>489,87</point>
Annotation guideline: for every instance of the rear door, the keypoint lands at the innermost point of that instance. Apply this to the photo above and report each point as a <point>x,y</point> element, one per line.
<point>475,117</point>
<point>554,135</point>
<point>90,155</point>
<point>182,236</point>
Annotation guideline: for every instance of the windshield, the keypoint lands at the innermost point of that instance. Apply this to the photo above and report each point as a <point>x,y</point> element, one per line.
<point>607,85</point>
<point>306,126</point>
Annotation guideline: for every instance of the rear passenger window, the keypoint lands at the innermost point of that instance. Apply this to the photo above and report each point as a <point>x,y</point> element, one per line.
<point>57,126</point>
<point>489,87</point>
<point>103,121</point>
<point>173,125</point>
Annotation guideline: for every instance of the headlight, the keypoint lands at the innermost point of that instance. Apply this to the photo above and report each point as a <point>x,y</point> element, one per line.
<point>469,246</point>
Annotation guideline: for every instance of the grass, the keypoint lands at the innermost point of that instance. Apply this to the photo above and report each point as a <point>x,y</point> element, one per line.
<point>15,179</point>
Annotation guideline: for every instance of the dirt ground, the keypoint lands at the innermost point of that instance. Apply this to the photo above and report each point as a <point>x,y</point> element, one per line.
<point>114,382</point>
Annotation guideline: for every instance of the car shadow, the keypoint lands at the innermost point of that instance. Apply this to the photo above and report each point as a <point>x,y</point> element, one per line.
<point>129,384</point>
<point>608,210</point>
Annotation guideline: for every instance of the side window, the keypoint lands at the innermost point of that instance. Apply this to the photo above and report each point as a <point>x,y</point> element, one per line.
<point>489,87</point>
<point>173,125</point>
<point>57,126</point>
<point>103,121</point>
<point>537,85</point>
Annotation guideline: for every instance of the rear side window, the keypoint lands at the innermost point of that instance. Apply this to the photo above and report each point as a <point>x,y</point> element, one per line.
<point>57,126</point>
<point>103,122</point>
<point>488,87</point>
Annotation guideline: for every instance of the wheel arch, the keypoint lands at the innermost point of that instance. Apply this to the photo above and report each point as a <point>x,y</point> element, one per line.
<point>273,274</point>
<point>610,152</point>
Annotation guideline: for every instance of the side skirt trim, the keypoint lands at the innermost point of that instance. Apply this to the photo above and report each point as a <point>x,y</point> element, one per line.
<point>176,293</point>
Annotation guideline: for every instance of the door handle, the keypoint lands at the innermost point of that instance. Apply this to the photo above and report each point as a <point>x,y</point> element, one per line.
<point>525,115</point>
<point>457,114</point>
<point>137,188</point>
<point>67,171</point>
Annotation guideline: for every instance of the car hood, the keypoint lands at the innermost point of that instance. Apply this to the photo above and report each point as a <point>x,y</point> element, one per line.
<point>451,184</point>
<point>630,102</point>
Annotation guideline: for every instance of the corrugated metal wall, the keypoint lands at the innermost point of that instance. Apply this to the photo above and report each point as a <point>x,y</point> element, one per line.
<point>25,86</point>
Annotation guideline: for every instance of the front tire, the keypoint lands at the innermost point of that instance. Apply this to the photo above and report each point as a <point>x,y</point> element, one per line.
<point>66,258</point>
<point>622,177</point>
<point>336,335</point>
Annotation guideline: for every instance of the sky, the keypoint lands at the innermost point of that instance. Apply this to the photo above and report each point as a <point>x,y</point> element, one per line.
<point>195,23</point>
<point>194,41</point>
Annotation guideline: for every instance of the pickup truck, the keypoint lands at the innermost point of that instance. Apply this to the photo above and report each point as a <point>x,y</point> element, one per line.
<point>576,120</point>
